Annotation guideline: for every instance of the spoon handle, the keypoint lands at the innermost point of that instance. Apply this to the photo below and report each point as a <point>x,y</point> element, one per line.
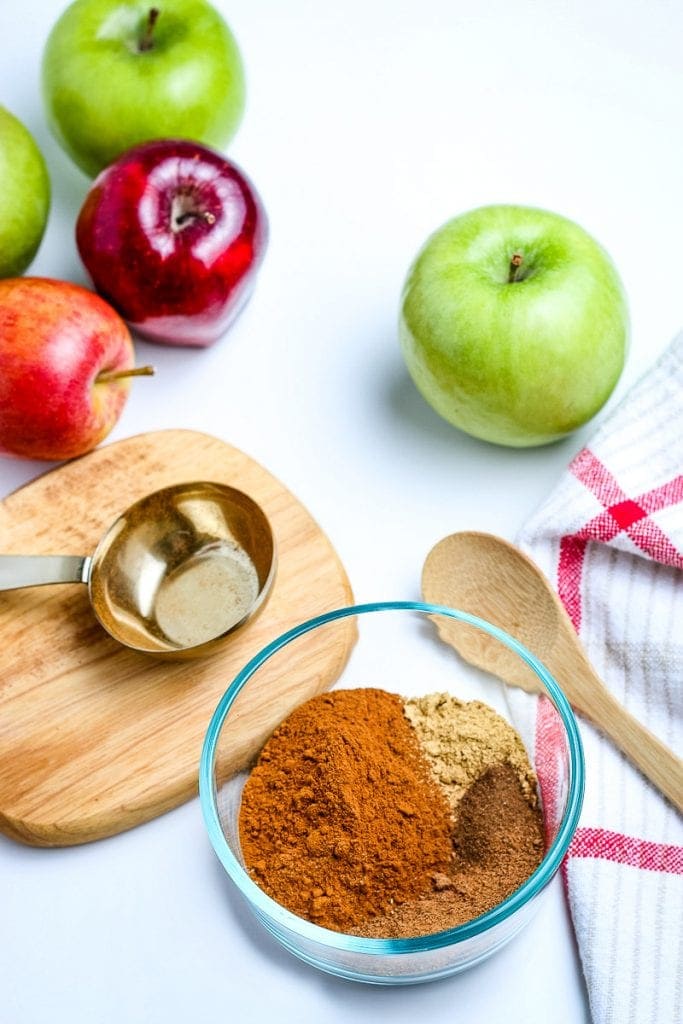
<point>18,571</point>
<point>657,763</point>
<point>589,696</point>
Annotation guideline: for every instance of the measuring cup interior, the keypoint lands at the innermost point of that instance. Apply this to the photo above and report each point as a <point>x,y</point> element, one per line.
<point>182,568</point>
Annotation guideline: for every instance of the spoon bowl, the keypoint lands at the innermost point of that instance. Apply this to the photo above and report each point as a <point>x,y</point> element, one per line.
<point>487,576</point>
<point>174,575</point>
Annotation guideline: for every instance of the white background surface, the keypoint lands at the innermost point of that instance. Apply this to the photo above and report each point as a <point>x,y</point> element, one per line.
<point>368,124</point>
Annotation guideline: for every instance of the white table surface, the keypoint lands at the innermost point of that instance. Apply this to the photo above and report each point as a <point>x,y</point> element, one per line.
<point>368,124</point>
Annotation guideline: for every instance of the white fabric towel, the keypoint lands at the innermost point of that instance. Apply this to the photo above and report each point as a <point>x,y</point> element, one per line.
<point>610,538</point>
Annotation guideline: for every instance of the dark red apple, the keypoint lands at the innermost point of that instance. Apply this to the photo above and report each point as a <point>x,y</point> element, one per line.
<point>172,235</point>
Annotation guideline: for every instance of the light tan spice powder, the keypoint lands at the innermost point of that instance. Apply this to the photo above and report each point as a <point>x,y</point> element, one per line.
<point>462,739</point>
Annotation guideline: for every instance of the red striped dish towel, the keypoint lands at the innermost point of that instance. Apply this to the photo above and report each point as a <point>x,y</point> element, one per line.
<point>611,539</point>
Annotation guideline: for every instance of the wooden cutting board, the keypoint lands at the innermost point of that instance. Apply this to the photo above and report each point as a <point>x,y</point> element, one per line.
<point>94,738</point>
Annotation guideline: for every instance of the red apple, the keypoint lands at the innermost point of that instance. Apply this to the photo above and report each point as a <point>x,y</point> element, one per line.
<point>172,235</point>
<point>65,362</point>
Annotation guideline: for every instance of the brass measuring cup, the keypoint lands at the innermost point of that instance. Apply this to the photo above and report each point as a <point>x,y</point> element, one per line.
<point>174,575</point>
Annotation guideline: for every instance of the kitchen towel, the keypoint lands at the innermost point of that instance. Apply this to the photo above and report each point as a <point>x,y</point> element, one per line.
<point>610,538</point>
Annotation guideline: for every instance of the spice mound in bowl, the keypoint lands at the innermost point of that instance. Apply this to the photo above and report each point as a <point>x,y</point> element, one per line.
<point>386,817</point>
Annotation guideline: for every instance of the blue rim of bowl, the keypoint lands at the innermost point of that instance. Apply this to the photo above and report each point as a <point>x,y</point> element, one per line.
<point>356,944</point>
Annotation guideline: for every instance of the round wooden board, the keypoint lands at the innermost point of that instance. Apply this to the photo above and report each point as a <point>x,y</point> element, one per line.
<point>95,739</point>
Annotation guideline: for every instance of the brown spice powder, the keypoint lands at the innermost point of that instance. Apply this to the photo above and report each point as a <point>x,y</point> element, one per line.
<point>498,843</point>
<point>340,818</point>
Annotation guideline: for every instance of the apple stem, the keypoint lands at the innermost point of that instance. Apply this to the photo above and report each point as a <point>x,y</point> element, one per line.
<point>186,218</point>
<point>146,41</point>
<point>134,371</point>
<point>515,263</point>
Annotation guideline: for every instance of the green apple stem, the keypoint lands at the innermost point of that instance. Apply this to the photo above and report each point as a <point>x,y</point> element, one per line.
<point>515,263</point>
<point>135,371</point>
<point>146,41</point>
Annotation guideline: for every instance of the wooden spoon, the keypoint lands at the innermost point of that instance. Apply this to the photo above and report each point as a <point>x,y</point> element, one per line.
<point>486,576</point>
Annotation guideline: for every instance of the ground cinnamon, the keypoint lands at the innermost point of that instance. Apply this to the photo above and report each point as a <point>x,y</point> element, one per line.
<point>340,818</point>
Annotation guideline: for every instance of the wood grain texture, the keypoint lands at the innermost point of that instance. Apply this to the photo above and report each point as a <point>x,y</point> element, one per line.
<point>489,577</point>
<point>94,738</point>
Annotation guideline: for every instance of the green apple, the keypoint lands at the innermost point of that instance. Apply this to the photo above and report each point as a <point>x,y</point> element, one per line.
<point>514,324</point>
<point>120,72</point>
<point>24,196</point>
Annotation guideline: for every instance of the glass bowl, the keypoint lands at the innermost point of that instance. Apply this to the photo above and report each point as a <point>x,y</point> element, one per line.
<point>398,649</point>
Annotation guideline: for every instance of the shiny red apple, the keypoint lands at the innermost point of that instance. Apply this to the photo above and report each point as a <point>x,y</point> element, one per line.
<point>66,358</point>
<point>172,235</point>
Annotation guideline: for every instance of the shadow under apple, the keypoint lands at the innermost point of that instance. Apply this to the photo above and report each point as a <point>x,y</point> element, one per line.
<point>407,406</point>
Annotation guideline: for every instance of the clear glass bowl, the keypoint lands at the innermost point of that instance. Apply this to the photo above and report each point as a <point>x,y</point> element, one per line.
<point>398,649</point>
